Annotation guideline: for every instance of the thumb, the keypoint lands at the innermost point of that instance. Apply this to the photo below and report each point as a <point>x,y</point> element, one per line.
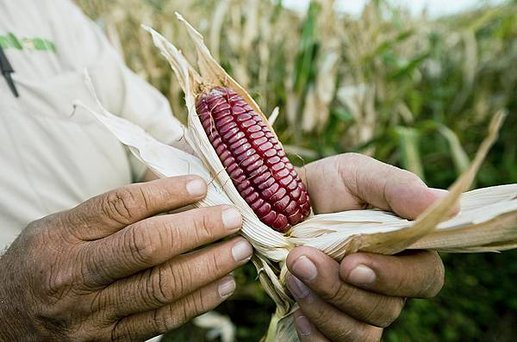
<point>410,202</point>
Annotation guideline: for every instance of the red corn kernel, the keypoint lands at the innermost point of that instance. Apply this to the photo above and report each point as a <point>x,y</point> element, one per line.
<point>254,159</point>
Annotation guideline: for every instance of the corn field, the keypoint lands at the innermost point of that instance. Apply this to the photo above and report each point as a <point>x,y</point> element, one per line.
<point>416,92</point>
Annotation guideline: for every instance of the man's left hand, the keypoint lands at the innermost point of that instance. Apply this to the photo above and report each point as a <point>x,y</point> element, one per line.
<point>355,299</point>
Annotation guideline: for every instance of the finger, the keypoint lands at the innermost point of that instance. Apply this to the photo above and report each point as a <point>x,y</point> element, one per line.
<point>154,240</point>
<point>109,212</point>
<point>172,280</point>
<point>411,274</point>
<point>320,275</point>
<point>385,186</point>
<point>306,331</point>
<point>148,324</point>
<point>334,324</point>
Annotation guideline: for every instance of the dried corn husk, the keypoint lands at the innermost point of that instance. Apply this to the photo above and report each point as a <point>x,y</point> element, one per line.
<point>487,221</point>
<point>219,326</point>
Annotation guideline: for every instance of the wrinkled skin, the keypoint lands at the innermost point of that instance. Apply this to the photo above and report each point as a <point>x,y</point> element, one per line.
<point>355,299</point>
<point>110,269</point>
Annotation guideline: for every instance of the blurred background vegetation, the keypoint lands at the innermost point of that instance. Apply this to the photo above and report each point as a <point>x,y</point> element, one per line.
<point>416,92</point>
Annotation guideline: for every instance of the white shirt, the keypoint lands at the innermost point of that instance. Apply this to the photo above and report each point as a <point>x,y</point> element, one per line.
<point>50,159</point>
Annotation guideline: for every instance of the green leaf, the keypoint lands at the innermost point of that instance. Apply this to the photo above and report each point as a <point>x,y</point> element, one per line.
<point>409,67</point>
<point>408,143</point>
<point>342,114</point>
<point>458,154</point>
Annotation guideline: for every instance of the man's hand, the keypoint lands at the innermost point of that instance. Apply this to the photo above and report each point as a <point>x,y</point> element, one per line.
<point>110,269</point>
<point>356,299</point>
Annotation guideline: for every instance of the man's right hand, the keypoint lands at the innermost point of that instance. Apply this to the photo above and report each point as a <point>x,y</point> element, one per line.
<point>110,269</point>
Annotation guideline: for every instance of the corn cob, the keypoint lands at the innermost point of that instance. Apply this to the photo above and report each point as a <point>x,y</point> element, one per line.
<point>252,156</point>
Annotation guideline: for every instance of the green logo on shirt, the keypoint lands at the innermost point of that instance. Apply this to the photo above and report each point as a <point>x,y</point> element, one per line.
<point>40,44</point>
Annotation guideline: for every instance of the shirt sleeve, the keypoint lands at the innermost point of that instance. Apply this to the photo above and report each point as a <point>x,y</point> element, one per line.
<point>120,90</point>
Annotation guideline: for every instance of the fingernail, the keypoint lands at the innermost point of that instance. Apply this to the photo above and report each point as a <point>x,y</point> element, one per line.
<point>439,192</point>
<point>226,287</point>
<point>297,288</point>
<point>361,275</point>
<point>196,187</point>
<point>303,326</point>
<point>231,218</point>
<point>242,250</point>
<point>304,268</point>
